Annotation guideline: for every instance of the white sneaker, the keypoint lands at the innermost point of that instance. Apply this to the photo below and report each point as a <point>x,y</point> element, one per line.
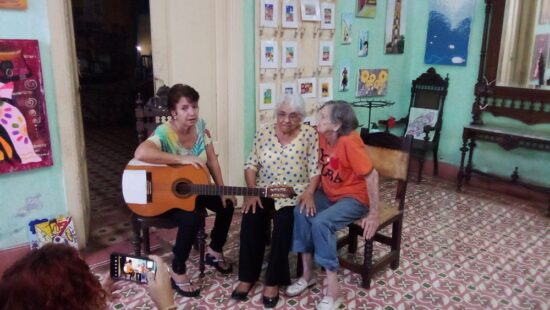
<point>299,286</point>
<point>328,303</point>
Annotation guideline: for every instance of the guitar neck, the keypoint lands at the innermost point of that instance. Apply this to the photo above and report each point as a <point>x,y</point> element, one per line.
<point>212,190</point>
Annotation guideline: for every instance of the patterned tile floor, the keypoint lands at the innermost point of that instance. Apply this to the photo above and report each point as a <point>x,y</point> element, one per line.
<point>469,250</point>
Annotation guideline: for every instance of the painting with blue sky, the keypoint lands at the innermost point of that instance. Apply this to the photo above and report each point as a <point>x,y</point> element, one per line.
<point>449,32</point>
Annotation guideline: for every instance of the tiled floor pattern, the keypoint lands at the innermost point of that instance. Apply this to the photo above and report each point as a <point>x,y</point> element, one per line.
<point>471,250</point>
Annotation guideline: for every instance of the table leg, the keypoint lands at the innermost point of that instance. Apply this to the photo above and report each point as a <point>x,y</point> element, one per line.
<point>460,175</point>
<point>468,173</point>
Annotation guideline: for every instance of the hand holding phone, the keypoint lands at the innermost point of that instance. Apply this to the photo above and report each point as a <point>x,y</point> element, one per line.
<point>159,287</point>
<point>132,268</point>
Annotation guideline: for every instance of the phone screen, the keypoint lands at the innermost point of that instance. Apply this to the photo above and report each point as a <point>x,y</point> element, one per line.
<point>127,267</point>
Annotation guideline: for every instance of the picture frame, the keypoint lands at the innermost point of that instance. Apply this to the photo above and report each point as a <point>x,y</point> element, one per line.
<point>269,10</point>
<point>269,54</point>
<point>363,43</point>
<point>372,82</point>
<point>289,14</point>
<point>288,88</point>
<point>418,119</point>
<point>267,96</point>
<point>347,21</point>
<point>344,75</point>
<point>307,87</point>
<point>325,89</point>
<point>289,54</point>
<point>327,14</point>
<point>311,10</point>
<point>326,53</point>
<point>396,27</point>
<point>365,8</point>
<point>13,4</point>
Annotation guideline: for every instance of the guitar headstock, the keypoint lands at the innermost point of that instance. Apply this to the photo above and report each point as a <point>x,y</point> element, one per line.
<point>280,191</point>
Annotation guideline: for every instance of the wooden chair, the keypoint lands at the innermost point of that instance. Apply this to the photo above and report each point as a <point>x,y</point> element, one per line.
<point>148,117</point>
<point>425,116</point>
<point>390,156</point>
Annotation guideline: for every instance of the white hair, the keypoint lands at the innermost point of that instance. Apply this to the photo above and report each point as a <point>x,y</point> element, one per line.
<point>295,102</point>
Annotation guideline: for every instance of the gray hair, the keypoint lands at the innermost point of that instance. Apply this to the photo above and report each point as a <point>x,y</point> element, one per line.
<point>342,113</point>
<point>295,102</point>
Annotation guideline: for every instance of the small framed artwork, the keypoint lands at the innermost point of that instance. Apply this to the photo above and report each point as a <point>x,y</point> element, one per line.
<point>269,55</point>
<point>347,20</point>
<point>418,119</point>
<point>372,82</point>
<point>327,14</point>
<point>363,47</point>
<point>289,14</point>
<point>311,11</point>
<point>268,13</point>
<point>267,96</point>
<point>325,89</point>
<point>366,8</point>
<point>13,4</point>
<point>288,88</point>
<point>307,87</point>
<point>395,20</point>
<point>289,54</point>
<point>345,68</point>
<point>326,53</point>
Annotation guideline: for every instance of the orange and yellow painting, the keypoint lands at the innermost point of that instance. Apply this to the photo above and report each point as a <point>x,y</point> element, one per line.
<point>13,4</point>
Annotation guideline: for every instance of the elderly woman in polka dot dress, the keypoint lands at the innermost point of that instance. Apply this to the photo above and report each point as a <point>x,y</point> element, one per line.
<point>284,152</point>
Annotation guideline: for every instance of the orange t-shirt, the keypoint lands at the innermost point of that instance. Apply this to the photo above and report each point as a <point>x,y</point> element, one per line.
<point>344,168</point>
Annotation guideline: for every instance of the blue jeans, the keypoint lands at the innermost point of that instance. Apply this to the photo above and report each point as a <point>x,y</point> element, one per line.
<point>317,234</point>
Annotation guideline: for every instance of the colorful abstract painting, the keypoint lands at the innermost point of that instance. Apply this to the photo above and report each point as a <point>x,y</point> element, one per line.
<point>24,133</point>
<point>448,34</point>
<point>57,230</point>
<point>13,4</point>
<point>372,82</point>
<point>418,119</point>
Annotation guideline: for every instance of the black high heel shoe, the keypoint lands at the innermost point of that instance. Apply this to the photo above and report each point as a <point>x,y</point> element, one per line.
<point>241,296</point>
<point>213,261</point>
<point>270,302</point>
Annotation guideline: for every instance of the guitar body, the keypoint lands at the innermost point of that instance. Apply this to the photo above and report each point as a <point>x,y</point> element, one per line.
<point>162,194</point>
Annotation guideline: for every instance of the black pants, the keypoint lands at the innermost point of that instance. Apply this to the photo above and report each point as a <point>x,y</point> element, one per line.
<point>253,241</point>
<point>189,224</point>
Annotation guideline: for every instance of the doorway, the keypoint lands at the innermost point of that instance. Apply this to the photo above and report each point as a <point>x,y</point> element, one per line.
<point>113,50</point>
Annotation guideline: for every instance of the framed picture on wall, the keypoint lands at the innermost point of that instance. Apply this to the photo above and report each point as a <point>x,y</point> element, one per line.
<point>269,55</point>
<point>289,17</point>
<point>345,69</point>
<point>395,27</point>
<point>307,87</point>
<point>267,96</point>
<point>366,8</point>
<point>289,54</point>
<point>347,20</point>
<point>288,88</point>
<point>268,13</point>
<point>325,89</point>
<point>311,11</point>
<point>372,82</point>
<point>363,46</point>
<point>326,53</point>
<point>327,15</point>
<point>13,4</point>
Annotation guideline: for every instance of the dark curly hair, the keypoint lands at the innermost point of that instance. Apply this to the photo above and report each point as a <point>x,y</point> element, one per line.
<point>52,277</point>
<point>180,90</point>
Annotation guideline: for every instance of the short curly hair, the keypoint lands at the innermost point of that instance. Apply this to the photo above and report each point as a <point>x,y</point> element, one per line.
<point>52,277</point>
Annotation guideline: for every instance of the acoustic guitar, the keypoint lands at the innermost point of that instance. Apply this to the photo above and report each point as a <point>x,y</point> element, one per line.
<point>150,189</point>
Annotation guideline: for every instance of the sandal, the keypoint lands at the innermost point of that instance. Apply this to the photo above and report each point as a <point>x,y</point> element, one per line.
<point>215,262</point>
<point>178,288</point>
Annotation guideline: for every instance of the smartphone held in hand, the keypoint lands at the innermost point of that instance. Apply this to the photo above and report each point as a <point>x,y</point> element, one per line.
<point>132,268</point>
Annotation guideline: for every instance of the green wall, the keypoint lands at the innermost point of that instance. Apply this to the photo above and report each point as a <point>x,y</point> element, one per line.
<point>36,193</point>
<point>402,70</point>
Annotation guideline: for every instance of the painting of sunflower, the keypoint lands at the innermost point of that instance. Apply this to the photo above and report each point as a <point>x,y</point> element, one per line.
<point>372,82</point>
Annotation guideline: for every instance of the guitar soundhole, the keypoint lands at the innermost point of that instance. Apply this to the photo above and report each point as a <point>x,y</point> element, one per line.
<point>182,188</point>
